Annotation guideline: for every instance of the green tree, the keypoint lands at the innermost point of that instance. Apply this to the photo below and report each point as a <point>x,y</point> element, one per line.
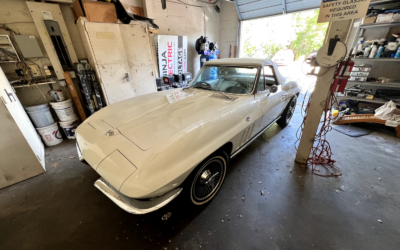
<point>310,34</point>
<point>270,48</point>
<point>249,49</point>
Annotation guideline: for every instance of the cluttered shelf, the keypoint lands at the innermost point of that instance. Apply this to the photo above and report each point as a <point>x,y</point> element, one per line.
<point>379,25</point>
<point>23,83</point>
<point>8,61</point>
<point>389,84</point>
<point>375,100</point>
<point>378,59</point>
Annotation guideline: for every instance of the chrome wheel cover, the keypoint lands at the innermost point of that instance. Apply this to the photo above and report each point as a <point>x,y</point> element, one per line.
<point>208,179</point>
<point>291,109</point>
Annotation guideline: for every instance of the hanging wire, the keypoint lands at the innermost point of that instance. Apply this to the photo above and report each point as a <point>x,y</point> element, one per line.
<point>321,152</point>
<point>23,63</point>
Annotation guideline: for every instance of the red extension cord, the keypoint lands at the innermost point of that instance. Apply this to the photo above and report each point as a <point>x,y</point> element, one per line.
<point>321,152</point>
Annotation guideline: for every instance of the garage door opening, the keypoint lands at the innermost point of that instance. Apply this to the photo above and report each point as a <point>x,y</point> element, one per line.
<point>285,39</point>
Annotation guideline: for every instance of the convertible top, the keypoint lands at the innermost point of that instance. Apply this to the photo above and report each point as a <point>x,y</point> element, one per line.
<point>256,62</point>
<point>241,62</point>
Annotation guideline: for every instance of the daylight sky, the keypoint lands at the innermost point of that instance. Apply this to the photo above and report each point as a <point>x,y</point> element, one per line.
<point>277,28</point>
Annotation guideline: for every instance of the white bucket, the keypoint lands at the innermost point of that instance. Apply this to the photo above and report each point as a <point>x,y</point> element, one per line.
<point>64,110</point>
<point>57,95</point>
<point>50,135</point>
<point>40,115</point>
<point>70,127</point>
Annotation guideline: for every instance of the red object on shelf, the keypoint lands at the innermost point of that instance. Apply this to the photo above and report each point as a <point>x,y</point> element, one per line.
<point>342,76</point>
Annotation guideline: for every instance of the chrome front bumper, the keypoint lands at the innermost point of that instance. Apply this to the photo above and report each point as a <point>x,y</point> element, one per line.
<point>134,206</point>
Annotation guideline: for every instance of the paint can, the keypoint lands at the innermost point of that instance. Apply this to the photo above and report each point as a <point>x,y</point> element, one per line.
<point>69,128</point>
<point>40,115</point>
<point>57,95</point>
<point>64,110</point>
<point>50,135</point>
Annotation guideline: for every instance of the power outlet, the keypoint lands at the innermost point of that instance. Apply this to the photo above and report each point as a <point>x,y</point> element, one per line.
<point>35,70</point>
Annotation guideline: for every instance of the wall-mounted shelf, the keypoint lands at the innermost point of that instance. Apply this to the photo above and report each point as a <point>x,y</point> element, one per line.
<point>379,25</point>
<point>5,41</point>
<point>33,84</point>
<point>382,61</point>
<point>378,59</point>
<point>389,84</point>
<point>375,100</point>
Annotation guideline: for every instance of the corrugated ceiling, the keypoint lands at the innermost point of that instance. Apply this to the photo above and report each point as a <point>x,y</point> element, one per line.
<point>249,9</point>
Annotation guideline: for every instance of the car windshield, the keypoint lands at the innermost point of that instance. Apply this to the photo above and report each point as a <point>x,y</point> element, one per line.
<point>228,79</point>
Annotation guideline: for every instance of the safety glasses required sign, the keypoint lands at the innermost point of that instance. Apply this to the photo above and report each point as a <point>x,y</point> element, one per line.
<point>337,10</point>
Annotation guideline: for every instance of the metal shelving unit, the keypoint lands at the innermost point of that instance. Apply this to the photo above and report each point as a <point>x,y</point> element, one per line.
<point>379,25</point>
<point>5,43</point>
<point>354,98</point>
<point>378,59</point>
<point>372,60</point>
<point>8,61</point>
<point>391,84</point>
<point>38,84</point>
<point>373,26</point>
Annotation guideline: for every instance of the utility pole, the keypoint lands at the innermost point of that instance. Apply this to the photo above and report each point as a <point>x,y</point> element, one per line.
<point>320,94</point>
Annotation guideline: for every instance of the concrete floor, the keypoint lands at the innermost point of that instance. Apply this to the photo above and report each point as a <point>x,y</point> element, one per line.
<point>61,209</point>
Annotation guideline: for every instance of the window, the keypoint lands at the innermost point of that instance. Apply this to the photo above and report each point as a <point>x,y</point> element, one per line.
<point>269,76</point>
<point>267,79</point>
<point>268,71</point>
<point>228,79</point>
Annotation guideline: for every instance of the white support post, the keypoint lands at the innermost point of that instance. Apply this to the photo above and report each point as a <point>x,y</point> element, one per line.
<point>319,96</point>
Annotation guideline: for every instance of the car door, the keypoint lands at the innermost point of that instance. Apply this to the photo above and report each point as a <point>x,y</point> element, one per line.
<point>270,103</point>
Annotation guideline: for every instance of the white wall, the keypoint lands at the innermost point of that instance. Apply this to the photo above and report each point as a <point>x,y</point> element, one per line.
<point>186,20</point>
<point>180,18</point>
<point>228,28</point>
<point>15,14</point>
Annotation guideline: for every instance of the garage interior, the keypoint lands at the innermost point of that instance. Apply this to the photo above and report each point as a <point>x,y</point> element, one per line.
<point>272,197</point>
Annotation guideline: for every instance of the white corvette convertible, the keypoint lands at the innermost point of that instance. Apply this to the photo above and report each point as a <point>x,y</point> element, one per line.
<point>150,148</point>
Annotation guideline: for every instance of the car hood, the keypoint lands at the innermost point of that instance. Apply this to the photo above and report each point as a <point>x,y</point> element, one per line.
<point>154,118</point>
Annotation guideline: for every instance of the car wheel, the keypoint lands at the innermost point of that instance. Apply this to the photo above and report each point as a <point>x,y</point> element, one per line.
<point>288,113</point>
<point>207,178</point>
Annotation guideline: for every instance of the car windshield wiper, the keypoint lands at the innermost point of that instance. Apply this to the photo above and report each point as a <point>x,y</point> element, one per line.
<point>209,87</point>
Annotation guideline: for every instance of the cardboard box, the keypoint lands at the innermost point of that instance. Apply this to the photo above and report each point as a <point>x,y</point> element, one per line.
<point>95,11</point>
<point>76,5</point>
<point>137,11</point>
<point>133,9</point>
<point>384,18</point>
<point>368,20</point>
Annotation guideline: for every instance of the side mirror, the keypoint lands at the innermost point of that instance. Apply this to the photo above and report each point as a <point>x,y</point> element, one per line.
<point>273,88</point>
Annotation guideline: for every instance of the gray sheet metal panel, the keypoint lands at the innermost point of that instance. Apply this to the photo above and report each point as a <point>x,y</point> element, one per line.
<point>293,6</point>
<point>261,13</point>
<point>237,9</point>
<point>250,9</point>
<point>256,5</point>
